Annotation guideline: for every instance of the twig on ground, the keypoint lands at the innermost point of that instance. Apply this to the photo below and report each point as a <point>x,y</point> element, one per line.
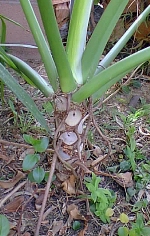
<point>51,173</point>
<point>49,150</point>
<point>11,193</point>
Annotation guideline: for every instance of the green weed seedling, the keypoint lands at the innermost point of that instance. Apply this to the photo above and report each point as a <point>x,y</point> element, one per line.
<point>101,199</point>
<point>137,229</point>
<point>40,145</point>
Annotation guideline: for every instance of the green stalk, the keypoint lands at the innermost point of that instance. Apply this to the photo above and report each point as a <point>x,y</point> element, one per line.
<point>14,86</point>
<point>123,40</point>
<point>66,79</point>
<point>41,42</point>
<point>3,31</point>
<point>100,37</point>
<point>37,80</point>
<point>119,68</point>
<point>77,36</point>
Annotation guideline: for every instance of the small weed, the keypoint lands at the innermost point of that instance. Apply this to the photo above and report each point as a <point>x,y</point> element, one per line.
<point>137,229</point>
<point>101,199</point>
<point>40,145</point>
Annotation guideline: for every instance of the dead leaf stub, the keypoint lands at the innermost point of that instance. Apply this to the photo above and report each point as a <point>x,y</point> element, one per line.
<point>124,179</point>
<point>10,183</point>
<point>74,213</point>
<point>14,205</point>
<point>69,185</point>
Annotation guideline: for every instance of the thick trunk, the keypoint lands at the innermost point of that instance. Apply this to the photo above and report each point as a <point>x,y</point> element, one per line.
<point>72,125</point>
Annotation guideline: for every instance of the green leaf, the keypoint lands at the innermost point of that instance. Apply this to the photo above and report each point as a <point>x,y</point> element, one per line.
<point>15,87</point>
<point>124,218</point>
<point>29,161</point>
<point>100,37</point>
<point>76,40</point>
<point>48,107</point>
<point>38,174</point>
<point>123,231</point>
<point>30,177</point>
<point>32,77</point>
<point>47,175</point>
<point>76,225</point>
<point>28,138</point>
<point>41,145</point>
<point>4,226</point>
<point>137,206</point>
<point>125,165</point>
<point>66,79</point>
<point>109,212</point>
<point>132,232</point>
<point>123,40</point>
<point>145,231</point>
<point>110,74</point>
<point>94,196</point>
<point>132,143</point>
<point>41,42</point>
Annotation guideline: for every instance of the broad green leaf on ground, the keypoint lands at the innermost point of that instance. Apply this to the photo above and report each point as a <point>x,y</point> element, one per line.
<point>29,161</point>
<point>4,226</point>
<point>123,231</point>
<point>41,144</point>
<point>38,174</point>
<point>124,218</point>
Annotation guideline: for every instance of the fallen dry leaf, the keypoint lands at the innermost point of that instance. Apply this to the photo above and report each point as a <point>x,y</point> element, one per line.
<point>10,183</point>
<point>4,157</point>
<point>14,205</point>
<point>74,213</point>
<point>124,179</point>
<point>57,225</point>
<point>69,185</point>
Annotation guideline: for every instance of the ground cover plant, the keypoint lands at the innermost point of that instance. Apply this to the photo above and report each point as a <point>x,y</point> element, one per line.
<point>76,85</point>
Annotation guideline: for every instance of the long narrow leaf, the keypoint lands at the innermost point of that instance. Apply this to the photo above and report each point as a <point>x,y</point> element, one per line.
<point>123,40</point>
<point>12,21</point>
<point>67,82</point>
<point>3,31</point>
<point>77,36</point>
<point>37,80</point>
<point>100,36</point>
<point>41,42</point>
<point>119,68</point>
<point>107,85</point>
<point>13,85</point>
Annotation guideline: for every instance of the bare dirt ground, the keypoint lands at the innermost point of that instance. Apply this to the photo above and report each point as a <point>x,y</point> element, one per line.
<point>20,200</point>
